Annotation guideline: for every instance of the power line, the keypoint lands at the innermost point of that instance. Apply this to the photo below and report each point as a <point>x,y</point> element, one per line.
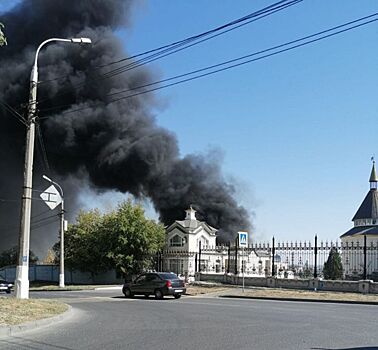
<point>176,47</point>
<point>186,40</point>
<point>228,62</point>
<point>9,200</point>
<point>205,33</point>
<point>47,223</point>
<point>34,224</point>
<point>42,213</point>
<point>43,148</point>
<point>14,113</point>
<point>250,55</point>
<point>44,219</point>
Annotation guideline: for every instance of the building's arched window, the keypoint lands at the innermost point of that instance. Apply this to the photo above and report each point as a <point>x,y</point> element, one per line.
<point>204,242</point>
<point>176,241</point>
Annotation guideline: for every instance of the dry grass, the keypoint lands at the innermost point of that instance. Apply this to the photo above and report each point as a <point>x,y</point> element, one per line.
<point>197,290</point>
<point>304,294</point>
<point>15,311</point>
<point>260,292</point>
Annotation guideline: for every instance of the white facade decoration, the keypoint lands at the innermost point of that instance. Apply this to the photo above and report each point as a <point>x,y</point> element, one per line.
<point>191,245</point>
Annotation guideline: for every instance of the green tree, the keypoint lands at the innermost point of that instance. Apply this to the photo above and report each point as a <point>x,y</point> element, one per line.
<point>123,239</point>
<point>134,239</point>
<point>9,257</point>
<point>333,268</point>
<point>83,249</point>
<point>3,39</point>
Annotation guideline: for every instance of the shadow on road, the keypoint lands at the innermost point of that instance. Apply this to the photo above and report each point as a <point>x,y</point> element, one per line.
<point>141,297</point>
<point>25,343</point>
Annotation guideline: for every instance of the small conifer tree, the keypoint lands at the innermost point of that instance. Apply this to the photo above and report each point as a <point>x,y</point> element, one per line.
<point>333,268</point>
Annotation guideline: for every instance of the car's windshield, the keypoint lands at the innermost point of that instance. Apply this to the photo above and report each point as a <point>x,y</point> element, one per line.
<point>168,276</point>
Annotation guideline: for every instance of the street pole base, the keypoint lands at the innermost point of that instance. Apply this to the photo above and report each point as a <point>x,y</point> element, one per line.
<point>61,280</point>
<point>22,282</point>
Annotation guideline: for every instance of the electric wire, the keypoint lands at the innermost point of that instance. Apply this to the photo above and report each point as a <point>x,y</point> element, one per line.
<point>205,33</point>
<point>190,39</point>
<point>47,223</point>
<point>174,49</point>
<point>40,214</point>
<point>9,200</point>
<point>246,56</point>
<point>42,148</point>
<point>34,224</point>
<point>14,113</point>
<point>227,62</point>
<point>44,219</point>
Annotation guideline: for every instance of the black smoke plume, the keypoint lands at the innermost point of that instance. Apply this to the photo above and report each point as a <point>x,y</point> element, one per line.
<point>108,146</point>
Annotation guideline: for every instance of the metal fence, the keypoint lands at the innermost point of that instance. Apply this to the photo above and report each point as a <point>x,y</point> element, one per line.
<point>299,259</point>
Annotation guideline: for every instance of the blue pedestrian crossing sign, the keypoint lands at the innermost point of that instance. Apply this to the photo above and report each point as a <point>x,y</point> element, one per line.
<point>243,239</point>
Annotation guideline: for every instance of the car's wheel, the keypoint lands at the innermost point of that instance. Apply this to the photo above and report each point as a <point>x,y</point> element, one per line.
<point>177,296</point>
<point>159,294</point>
<point>127,293</point>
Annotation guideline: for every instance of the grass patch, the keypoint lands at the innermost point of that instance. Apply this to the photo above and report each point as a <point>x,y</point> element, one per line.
<point>321,295</point>
<point>197,290</point>
<point>305,294</point>
<point>15,311</point>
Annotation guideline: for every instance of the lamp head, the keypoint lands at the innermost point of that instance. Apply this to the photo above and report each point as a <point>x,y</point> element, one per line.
<point>82,40</point>
<point>46,178</point>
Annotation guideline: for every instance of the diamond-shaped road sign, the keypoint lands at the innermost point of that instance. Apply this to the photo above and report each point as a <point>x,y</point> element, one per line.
<point>51,197</point>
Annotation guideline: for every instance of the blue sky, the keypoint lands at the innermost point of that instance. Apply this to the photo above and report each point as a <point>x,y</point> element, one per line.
<point>296,131</point>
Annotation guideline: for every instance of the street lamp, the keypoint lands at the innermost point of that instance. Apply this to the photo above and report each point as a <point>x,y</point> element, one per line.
<point>22,272</point>
<point>61,259</point>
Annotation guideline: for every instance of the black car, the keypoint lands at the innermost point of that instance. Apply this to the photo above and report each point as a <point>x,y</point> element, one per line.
<point>5,286</point>
<point>156,283</point>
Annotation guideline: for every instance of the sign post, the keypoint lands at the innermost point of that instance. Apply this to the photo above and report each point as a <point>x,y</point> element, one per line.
<point>243,243</point>
<point>53,198</point>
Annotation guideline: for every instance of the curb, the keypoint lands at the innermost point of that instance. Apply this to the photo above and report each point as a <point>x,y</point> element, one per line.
<point>109,288</point>
<point>301,300</point>
<point>7,331</point>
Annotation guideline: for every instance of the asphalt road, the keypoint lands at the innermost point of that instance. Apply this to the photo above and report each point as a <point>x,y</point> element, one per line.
<point>105,320</point>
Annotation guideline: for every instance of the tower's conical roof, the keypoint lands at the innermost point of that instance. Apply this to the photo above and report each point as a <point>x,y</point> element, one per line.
<point>373,175</point>
<point>369,207</point>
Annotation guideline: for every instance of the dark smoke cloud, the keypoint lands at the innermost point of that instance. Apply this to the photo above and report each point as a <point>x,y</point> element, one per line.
<point>110,146</point>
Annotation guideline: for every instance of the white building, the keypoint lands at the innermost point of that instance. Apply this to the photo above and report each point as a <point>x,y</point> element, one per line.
<point>365,227</point>
<point>191,246</point>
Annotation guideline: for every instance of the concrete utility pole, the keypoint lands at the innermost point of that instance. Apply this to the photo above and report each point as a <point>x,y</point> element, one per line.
<point>22,272</point>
